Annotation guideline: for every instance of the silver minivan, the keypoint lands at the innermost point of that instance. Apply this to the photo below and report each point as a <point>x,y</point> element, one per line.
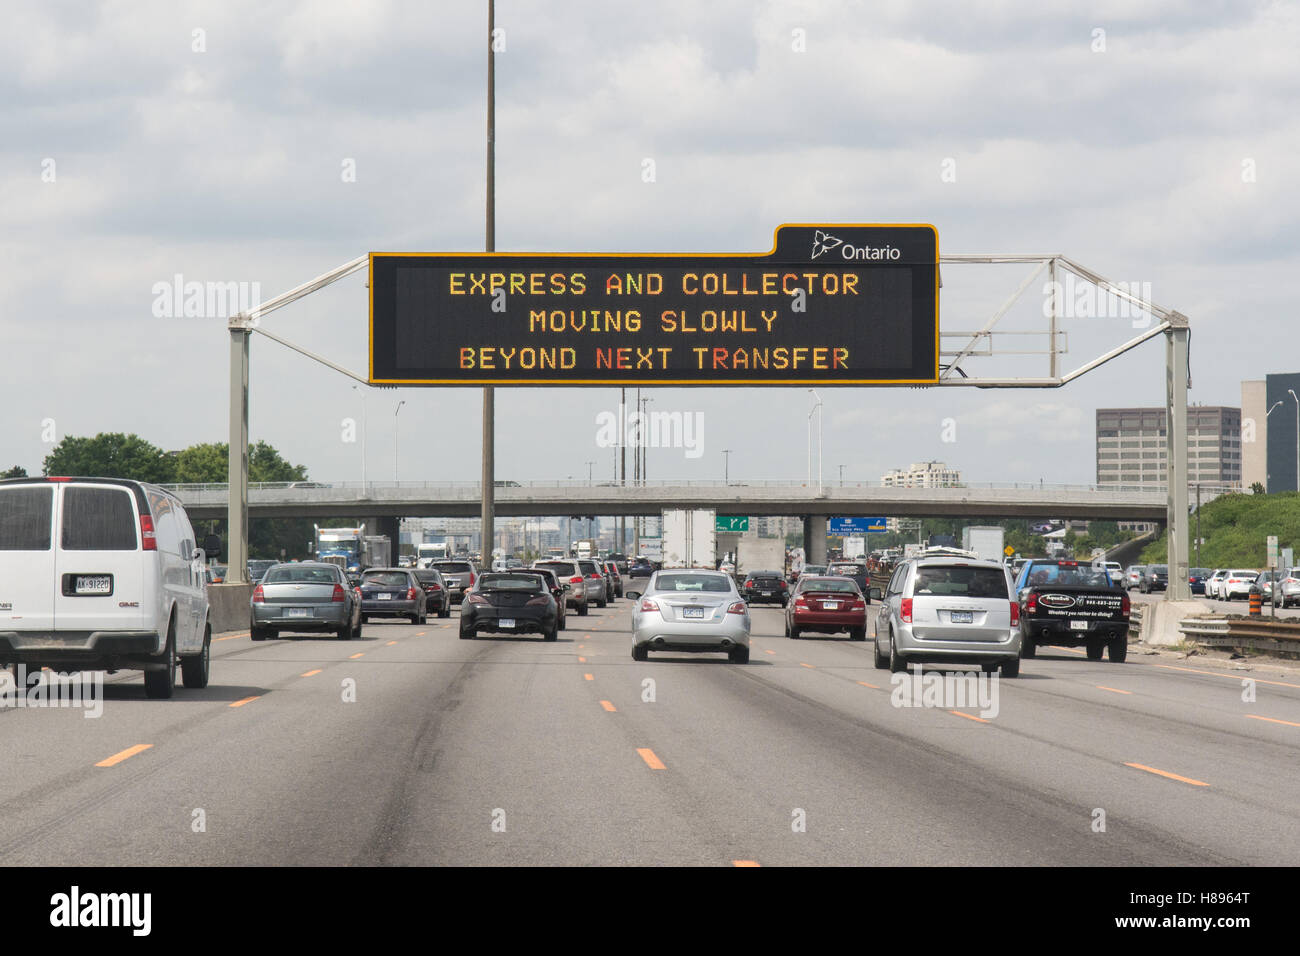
<point>948,611</point>
<point>103,574</point>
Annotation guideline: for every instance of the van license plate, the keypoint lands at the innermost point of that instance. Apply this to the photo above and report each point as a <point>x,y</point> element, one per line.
<point>298,612</point>
<point>385,596</point>
<point>963,617</point>
<point>94,584</point>
<point>693,612</point>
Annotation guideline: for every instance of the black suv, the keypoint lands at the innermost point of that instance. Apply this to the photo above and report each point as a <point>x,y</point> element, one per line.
<point>1155,578</point>
<point>768,587</point>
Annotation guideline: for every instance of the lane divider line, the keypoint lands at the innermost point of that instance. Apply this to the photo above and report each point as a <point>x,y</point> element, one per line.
<point>1257,680</point>
<point>123,755</point>
<point>1113,690</point>
<point>230,637</point>
<point>582,660</point>
<point>809,666</point>
<point>872,686</point>
<point>1273,720</point>
<point>968,716</point>
<point>652,761</point>
<point>608,706</point>
<point>766,651</point>
<point>1166,773</point>
<point>355,656</point>
<point>588,677</point>
<point>311,673</point>
<point>246,700</point>
<point>745,863</point>
<point>391,643</point>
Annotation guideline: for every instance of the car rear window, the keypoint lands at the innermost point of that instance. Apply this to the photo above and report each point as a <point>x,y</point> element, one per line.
<point>848,569</point>
<point>827,584</point>
<point>292,575</point>
<point>98,519</point>
<point>560,568</point>
<point>426,575</point>
<point>692,582</point>
<point>455,567</point>
<point>588,567</point>
<point>25,518</point>
<point>510,582</point>
<point>386,579</point>
<point>965,582</point>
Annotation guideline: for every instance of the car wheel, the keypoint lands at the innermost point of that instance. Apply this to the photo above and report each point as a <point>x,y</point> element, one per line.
<point>466,632</point>
<point>551,634</point>
<point>640,652</point>
<point>365,618</point>
<point>739,655</point>
<point>1011,668</point>
<point>794,632</point>
<point>160,684</point>
<point>1095,650</point>
<point>896,663</point>
<point>582,609</point>
<point>194,670</point>
<point>1028,648</point>
<point>257,633</point>
<point>356,631</point>
<point>1117,649</point>
<point>564,622</point>
<point>882,660</point>
<point>857,634</point>
<point>445,612</point>
<point>602,603</point>
<point>989,668</point>
<point>344,633</point>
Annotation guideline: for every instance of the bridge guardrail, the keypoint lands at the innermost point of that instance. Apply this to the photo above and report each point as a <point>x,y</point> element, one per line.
<point>1278,637</point>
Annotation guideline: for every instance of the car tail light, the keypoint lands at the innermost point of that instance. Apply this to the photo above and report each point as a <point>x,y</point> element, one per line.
<point>800,601</point>
<point>338,593</point>
<point>1125,607</point>
<point>477,599</point>
<point>147,539</point>
<point>856,605</point>
<point>784,585</point>
<point>907,610</point>
<point>259,596</point>
<point>1031,605</point>
<point>435,587</point>
<point>737,608</point>
<point>410,594</point>
<point>648,605</point>
<point>1015,614</point>
<point>471,580</point>
<point>749,582</point>
<point>537,600</point>
<point>576,579</point>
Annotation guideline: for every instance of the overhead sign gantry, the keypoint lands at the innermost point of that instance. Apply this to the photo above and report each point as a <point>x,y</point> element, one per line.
<point>843,304</point>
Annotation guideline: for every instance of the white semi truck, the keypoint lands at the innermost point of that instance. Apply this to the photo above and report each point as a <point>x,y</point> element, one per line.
<point>690,538</point>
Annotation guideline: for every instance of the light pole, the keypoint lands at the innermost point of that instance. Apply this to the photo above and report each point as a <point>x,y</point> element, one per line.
<point>395,411</point>
<point>1270,411</point>
<point>841,476</point>
<point>726,466</point>
<point>590,465</point>
<point>357,389</point>
<point>1297,438</point>
<point>818,409</point>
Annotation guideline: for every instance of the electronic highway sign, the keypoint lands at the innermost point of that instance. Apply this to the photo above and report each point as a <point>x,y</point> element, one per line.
<point>830,304</point>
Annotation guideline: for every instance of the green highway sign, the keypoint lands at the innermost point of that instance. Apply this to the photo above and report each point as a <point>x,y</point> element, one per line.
<point>733,523</point>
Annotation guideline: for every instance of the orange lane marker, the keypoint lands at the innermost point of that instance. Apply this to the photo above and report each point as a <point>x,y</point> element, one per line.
<point>587,677</point>
<point>353,657</point>
<point>968,716</point>
<point>582,660</point>
<point>745,863</point>
<point>811,666</point>
<point>420,633</point>
<point>1113,690</point>
<point>230,637</point>
<point>1166,773</point>
<point>648,755</point>
<point>123,755</point>
<point>311,673</point>
<point>1273,720</point>
<point>608,706</point>
<point>1257,680</point>
<point>766,651</point>
<point>391,643</point>
<point>246,700</point>
<point>872,686</point>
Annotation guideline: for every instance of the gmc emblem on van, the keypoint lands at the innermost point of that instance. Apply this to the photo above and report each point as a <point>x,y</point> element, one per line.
<point>128,603</point>
<point>1056,600</point>
<point>6,606</point>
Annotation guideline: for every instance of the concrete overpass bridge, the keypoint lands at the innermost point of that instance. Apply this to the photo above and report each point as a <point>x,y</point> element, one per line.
<point>409,499</point>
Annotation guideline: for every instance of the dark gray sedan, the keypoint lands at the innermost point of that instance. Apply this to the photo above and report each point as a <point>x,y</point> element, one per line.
<point>392,592</point>
<point>302,597</point>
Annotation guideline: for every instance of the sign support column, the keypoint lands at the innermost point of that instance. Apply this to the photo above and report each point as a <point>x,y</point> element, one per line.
<point>237,462</point>
<point>1176,382</point>
<point>488,480</point>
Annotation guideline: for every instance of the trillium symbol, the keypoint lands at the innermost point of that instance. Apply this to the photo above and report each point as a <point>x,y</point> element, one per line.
<point>823,243</point>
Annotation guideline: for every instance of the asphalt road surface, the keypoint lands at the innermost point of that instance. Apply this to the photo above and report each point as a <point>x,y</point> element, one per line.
<point>411,746</point>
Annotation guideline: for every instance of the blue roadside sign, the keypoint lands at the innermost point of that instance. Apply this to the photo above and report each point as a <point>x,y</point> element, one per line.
<point>855,525</point>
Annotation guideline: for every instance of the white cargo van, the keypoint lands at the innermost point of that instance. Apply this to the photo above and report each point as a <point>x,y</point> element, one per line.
<point>103,574</point>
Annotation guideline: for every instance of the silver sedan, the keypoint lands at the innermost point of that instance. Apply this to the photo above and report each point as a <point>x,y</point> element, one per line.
<point>691,610</point>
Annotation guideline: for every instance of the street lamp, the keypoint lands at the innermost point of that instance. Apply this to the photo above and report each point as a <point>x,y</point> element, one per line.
<point>395,411</point>
<point>1297,438</point>
<point>841,476</point>
<point>726,466</point>
<point>590,465</point>
<point>357,389</point>
<point>818,409</point>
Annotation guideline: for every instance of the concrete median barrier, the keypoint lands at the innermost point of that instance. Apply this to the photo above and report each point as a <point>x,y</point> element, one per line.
<point>228,606</point>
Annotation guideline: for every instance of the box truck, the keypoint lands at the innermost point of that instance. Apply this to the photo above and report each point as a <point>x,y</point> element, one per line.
<point>986,541</point>
<point>689,538</point>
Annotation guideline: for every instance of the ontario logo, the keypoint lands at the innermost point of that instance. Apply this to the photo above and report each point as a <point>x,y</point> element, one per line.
<point>824,242</point>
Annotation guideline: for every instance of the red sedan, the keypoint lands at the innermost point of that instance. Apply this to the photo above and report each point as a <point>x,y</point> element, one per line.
<point>826,605</point>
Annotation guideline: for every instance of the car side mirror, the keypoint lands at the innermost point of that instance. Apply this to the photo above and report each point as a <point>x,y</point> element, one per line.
<point>568,587</point>
<point>874,594</point>
<point>212,545</point>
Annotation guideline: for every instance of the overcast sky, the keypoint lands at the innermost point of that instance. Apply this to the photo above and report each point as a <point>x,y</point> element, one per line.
<point>1155,142</point>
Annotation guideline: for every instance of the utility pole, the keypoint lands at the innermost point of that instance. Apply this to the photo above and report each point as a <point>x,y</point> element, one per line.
<point>490,245</point>
<point>726,466</point>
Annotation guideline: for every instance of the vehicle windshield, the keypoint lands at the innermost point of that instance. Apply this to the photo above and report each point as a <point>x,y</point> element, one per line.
<point>559,568</point>
<point>848,569</point>
<point>289,574</point>
<point>1068,576</point>
<point>714,583</point>
<point>971,582</point>
<point>510,582</point>
<point>385,579</point>
<point>455,567</point>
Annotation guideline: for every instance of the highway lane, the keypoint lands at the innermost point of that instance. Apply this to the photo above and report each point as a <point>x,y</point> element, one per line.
<point>517,752</point>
